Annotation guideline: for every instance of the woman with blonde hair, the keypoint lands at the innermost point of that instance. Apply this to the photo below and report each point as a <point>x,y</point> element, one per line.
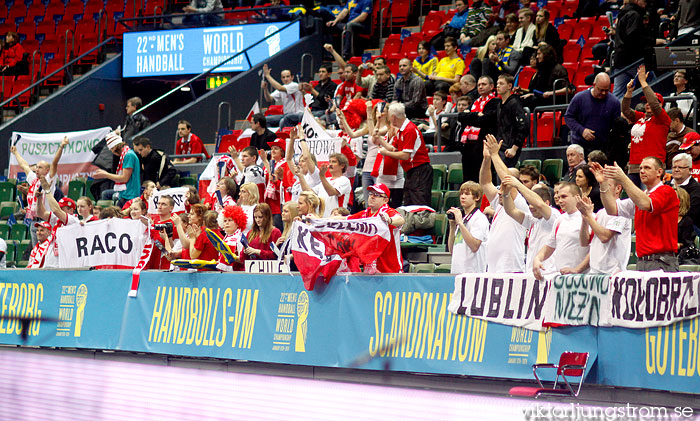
<point>290,211</point>
<point>309,204</point>
<point>84,206</point>
<point>248,199</point>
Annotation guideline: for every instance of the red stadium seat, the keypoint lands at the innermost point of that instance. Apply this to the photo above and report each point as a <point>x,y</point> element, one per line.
<point>568,9</point>
<point>433,21</point>
<point>36,9</point>
<point>392,45</point>
<point>571,364</point>
<point>582,29</point>
<point>410,44</point>
<point>400,10</point>
<point>274,110</point>
<point>572,51</point>
<point>565,29</point>
<point>524,76</point>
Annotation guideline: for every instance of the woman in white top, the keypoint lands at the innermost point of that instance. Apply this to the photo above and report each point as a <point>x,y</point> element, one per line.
<point>525,35</point>
<point>469,230</point>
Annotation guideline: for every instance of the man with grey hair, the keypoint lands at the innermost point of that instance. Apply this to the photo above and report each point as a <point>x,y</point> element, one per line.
<point>408,147</point>
<point>410,91</point>
<point>591,114</point>
<point>681,177</point>
<point>575,159</point>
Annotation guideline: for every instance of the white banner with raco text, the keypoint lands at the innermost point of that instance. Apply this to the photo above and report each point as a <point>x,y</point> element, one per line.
<point>107,243</point>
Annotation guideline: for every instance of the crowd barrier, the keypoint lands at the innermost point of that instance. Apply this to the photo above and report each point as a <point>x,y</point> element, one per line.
<point>396,322</point>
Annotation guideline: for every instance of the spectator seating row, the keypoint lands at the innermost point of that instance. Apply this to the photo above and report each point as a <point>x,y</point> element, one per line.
<point>16,250</point>
<point>17,232</point>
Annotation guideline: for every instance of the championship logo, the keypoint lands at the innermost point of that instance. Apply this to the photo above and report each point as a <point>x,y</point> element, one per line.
<point>302,314</point>
<point>80,301</point>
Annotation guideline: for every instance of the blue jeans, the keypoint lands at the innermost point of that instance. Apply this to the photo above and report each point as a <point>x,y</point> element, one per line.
<point>621,82</point>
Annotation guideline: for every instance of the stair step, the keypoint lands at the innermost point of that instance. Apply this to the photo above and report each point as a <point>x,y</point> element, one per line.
<point>439,257</point>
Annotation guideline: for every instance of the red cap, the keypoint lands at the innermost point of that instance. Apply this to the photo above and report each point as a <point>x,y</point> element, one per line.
<point>67,202</point>
<point>690,140</point>
<point>658,96</point>
<point>43,224</point>
<point>279,142</point>
<point>283,133</point>
<point>381,189</point>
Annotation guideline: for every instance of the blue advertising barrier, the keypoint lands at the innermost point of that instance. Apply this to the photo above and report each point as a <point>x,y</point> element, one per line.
<point>192,51</point>
<point>374,322</point>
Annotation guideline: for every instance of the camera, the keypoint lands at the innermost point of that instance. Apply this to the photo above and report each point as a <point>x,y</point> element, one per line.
<point>450,215</point>
<point>167,226</point>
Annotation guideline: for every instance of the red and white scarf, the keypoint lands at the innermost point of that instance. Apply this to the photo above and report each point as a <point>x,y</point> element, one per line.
<point>121,186</point>
<point>471,133</point>
<point>36,257</point>
<point>384,165</point>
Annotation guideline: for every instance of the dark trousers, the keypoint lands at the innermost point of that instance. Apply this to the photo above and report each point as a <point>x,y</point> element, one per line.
<point>472,155</point>
<point>668,262</point>
<point>418,184</point>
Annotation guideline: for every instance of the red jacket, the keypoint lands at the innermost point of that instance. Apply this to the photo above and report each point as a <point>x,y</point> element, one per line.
<point>12,55</point>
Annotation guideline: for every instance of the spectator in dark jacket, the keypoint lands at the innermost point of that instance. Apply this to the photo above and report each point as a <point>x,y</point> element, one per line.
<point>631,39</point>
<point>135,122</point>
<point>155,164</point>
<point>540,89</point>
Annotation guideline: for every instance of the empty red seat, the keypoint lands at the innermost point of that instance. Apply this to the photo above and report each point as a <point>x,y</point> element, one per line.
<point>524,76</point>
<point>392,44</point>
<point>433,21</point>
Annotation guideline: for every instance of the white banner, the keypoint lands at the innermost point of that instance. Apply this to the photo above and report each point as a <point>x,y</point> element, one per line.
<point>108,242</point>
<point>321,143</point>
<point>515,299</point>
<point>576,299</point>
<point>266,266</point>
<point>77,157</point>
<point>647,299</point>
<point>179,195</point>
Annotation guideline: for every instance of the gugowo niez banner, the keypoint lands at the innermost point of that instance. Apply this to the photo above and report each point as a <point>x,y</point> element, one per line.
<point>373,322</point>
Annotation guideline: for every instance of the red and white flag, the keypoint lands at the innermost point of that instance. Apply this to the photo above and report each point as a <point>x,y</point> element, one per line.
<point>321,246</point>
<point>253,111</point>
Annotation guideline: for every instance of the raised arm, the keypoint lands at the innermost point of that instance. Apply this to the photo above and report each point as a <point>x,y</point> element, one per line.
<point>494,146</point>
<point>639,198</point>
<point>53,204</point>
<point>606,193</point>
<point>57,157</point>
<point>21,161</point>
<point>325,183</point>
<point>649,94</point>
<point>485,176</point>
<point>236,159</point>
<point>508,203</point>
<point>585,206</point>
<point>271,80</point>
<point>337,57</point>
<point>626,101</point>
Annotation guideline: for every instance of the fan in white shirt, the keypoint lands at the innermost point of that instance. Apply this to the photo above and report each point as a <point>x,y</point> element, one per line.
<point>563,242</point>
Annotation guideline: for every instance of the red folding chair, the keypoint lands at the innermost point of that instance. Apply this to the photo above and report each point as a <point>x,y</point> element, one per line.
<point>571,364</point>
<point>525,75</point>
<point>433,21</point>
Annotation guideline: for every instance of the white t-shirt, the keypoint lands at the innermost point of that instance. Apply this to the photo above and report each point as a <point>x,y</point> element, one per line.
<point>446,109</point>
<point>313,179</point>
<point>505,250</point>
<point>3,248</point>
<point>51,260</point>
<point>292,100</point>
<point>539,230</point>
<point>564,239</point>
<point>464,260</point>
<point>342,184</point>
<point>611,257</point>
<point>31,178</point>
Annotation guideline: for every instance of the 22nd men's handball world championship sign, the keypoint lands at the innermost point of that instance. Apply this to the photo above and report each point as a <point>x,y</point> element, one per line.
<point>192,51</point>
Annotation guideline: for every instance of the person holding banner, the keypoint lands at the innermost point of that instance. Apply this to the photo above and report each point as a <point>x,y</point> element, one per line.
<point>61,214</point>
<point>390,261</point>
<point>127,180</point>
<point>655,213</point>
<point>469,231</point>
<point>43,169</point>
<point>611,239</point>
<point>563,242</point>
<point>310,205</point>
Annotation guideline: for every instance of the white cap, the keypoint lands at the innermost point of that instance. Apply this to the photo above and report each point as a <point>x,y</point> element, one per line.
<point>113,139</point>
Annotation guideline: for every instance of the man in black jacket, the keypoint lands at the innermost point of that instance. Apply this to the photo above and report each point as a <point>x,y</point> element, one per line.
<point>632,38</point>
<point>155,164</point>
<point>134,122</point>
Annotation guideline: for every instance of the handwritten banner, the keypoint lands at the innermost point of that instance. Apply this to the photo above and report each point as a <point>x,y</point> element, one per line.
<point>576,299</point>
<point>646,299</point>
<point>179,195</point>
<point>77,157</point>
<point>509,298</point>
